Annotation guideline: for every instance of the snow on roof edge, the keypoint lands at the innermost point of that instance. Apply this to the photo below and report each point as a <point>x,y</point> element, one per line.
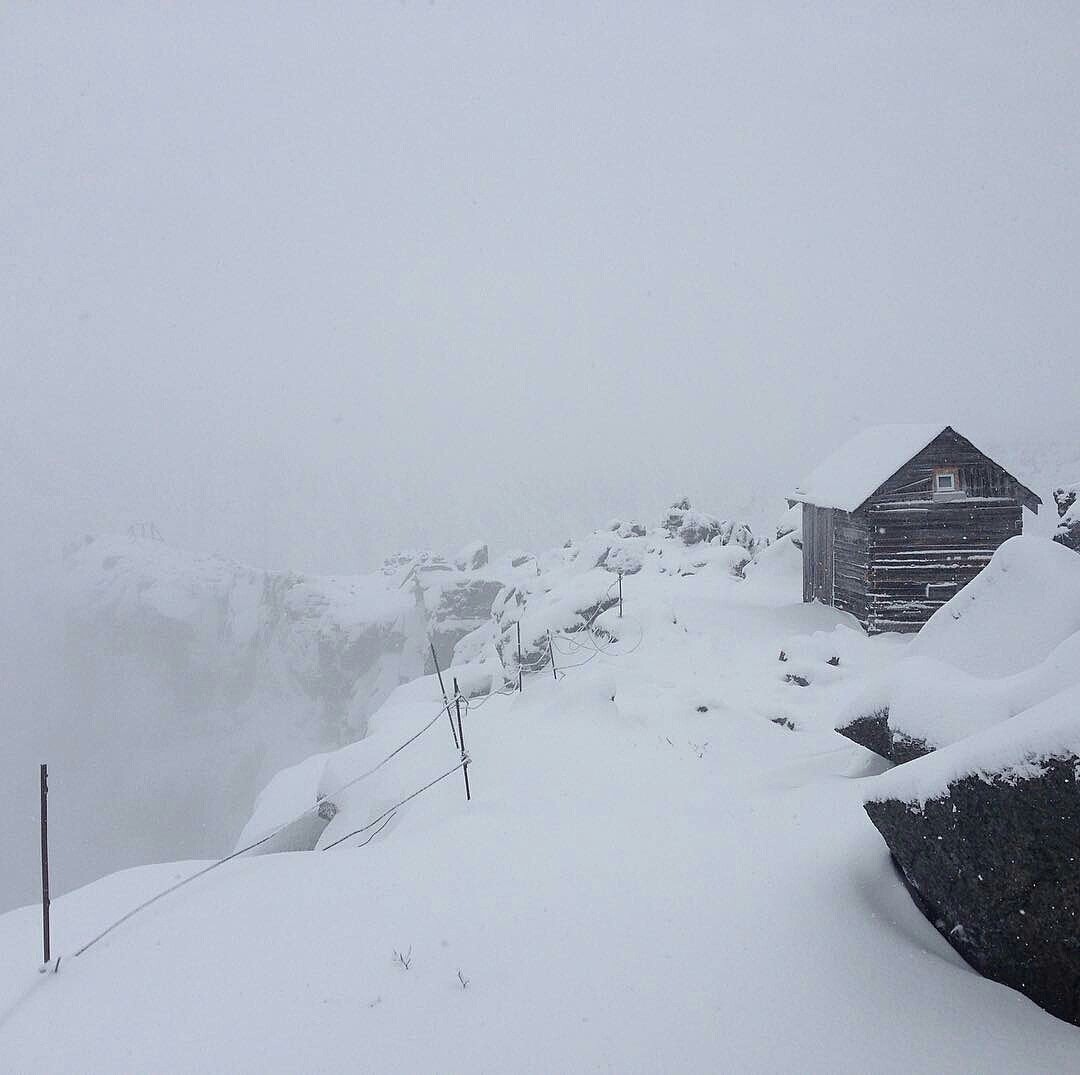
<point>849,476</point>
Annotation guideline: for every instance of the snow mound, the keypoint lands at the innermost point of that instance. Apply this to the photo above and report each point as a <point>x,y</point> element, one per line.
<point>1006,642</point>
<point>1025,602</point>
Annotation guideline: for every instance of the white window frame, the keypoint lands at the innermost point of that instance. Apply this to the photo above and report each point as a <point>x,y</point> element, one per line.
<point>953,491</point>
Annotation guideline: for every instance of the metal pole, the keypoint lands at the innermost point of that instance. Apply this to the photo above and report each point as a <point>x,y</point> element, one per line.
<point>519,656</point>
<point>45,861</point>
<point>461,736</point>
<point>551,653</point>
<point>620,595</point>
<point>442,687</point>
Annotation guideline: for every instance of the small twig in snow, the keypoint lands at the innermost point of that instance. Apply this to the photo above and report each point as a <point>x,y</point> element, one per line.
<point>404,958</point>
<point>464,981</point>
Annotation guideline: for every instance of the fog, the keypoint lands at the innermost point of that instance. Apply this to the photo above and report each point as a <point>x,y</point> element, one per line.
<point>306,285</point>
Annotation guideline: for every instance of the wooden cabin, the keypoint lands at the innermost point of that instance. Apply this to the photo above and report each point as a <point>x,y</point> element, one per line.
<point>900,519</point>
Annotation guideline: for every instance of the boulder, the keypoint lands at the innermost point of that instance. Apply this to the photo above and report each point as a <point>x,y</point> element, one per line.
<point>791,523</point>
<point>455,609</point>
<point>473,557</point>
<point>984,833</point>
<point>696,527</point>
<point>872,730</point>
<point>1067,499</point>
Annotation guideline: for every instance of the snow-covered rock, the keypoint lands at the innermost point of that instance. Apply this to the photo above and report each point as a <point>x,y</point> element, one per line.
<point>473,557</point>
<point>1067,499</point>
<point>695,527</point>
<point>790,524</point>
<point>984,831</point>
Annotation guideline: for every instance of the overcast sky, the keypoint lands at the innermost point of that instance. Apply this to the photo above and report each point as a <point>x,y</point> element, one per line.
<point>306,283</point>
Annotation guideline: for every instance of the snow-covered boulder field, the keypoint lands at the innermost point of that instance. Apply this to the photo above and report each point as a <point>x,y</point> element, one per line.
<point>1008,640</point>
<point>985,832</point>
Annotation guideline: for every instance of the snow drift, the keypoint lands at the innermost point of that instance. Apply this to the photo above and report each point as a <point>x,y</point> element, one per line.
<point>1008,640</point>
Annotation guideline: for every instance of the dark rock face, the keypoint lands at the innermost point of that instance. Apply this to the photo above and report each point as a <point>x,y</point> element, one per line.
<point>873,732</point>
<point>995,866</point>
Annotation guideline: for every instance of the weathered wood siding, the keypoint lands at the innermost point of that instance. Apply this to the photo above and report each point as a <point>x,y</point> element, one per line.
<point>835,548</point>
<point>851,558</point>
<point>980,476</point>
<point>922,554</point>
<point>817,554</point>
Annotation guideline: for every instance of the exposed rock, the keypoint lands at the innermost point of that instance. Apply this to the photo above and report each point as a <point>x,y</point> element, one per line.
<point>993,864</point>
<point>472,557</point>
<point>695,527</point>
<point>456,608</point>
<point>1068,505</point>
<point>873,732</point>
<point>791,524</point>
<point>618,558</point>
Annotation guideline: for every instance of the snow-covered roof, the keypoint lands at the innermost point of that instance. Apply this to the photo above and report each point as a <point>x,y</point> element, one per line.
<point>851,474</point>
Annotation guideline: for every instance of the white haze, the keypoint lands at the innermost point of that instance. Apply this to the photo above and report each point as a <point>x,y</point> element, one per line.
<point>305,285</point>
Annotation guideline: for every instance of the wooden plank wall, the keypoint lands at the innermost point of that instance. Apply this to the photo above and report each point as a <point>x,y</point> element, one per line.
<point>851,558</point>
<point>817,554</point>
<point>980,476</point>
<point>808,538</point>
<point>920,555</point>
<point>835,559</point>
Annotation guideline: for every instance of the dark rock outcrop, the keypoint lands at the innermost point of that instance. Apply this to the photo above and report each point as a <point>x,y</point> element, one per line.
<point>472,557</point>
<point>1067,499</point>
<point>457,608</point>
<point>994,864</point>
<point>696,527</point>
<point>873,731</point>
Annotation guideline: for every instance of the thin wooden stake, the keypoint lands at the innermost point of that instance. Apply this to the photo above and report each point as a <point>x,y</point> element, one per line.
<point>45,862</point>
<point>445,700</point>
<point>620,595</point>
<point>520,688</point>
<point>551,653</point>
<point>461,736</point>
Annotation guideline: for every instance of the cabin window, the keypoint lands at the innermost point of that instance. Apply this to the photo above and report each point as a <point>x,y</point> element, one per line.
<point>946,481</point>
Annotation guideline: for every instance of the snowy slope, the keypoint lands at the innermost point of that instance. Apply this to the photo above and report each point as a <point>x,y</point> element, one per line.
<point>652,876</point>
<point>179,683</point>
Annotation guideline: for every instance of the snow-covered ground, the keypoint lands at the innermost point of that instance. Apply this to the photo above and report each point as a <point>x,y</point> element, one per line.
<point>653,875</point>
